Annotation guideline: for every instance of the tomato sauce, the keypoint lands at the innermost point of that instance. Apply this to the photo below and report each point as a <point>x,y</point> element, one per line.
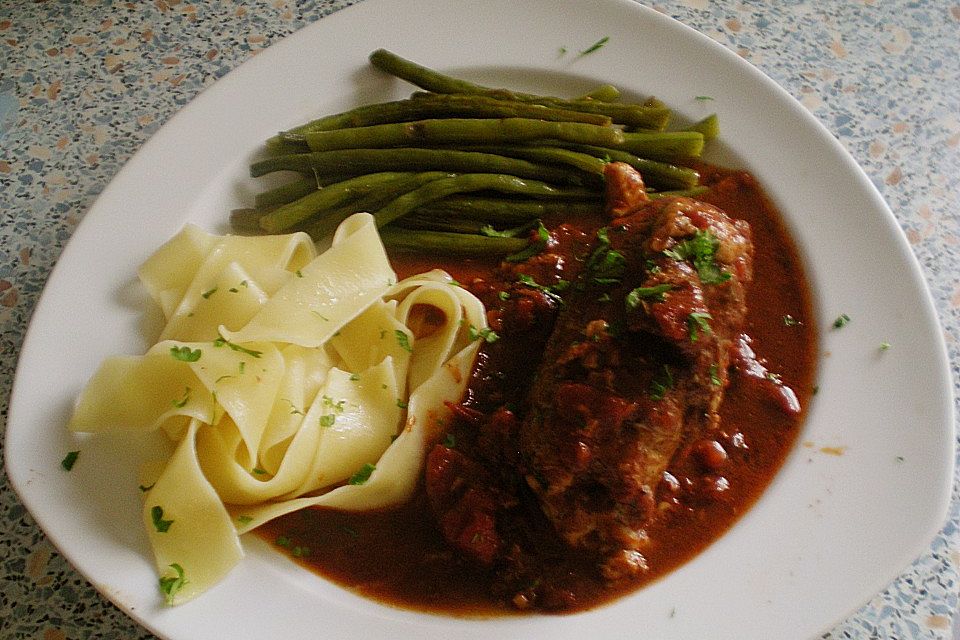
<point>400,558</point>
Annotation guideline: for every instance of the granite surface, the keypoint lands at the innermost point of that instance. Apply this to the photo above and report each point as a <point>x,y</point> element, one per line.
<point>84,83</point>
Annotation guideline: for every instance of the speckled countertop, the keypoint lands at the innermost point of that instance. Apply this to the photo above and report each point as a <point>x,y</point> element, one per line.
<point>84,83</point>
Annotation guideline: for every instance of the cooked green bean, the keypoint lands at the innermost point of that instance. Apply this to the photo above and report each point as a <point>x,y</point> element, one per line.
<point>436,105</point>
<point>662,175</point>
<point>412,159</point>
<point>508,211</point>
<point>546,154</point>
<point>628,114</point>
<point>450,243</point>
<point>465,183</point>
<point>667,146</point>
<point>709,127</point>
<point>463,131</point>
<point>603,93</point>
<point>328,220</point>
<point>287,192</point>
<point>288,215</point>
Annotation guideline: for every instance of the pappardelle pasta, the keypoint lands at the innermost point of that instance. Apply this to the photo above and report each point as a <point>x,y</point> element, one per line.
<point>287,380</point>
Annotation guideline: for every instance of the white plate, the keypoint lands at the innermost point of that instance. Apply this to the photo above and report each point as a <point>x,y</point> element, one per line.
<point>828,533</point>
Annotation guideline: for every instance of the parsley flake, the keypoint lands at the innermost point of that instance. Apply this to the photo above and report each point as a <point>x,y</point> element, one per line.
<point>156,515</point>
<point>841,321</point>
<point>701,250</point>
<point>69,460</point>
<point>534,248</point>
<point>450,441</point>
<point>697,322</point>
<point>206,294</point>
<point>244,519</point>
<point>361,476</point>
<point>401,403</point>
<point>403,340</point>
<point>714,376</point>
<point>327,421</point>
<point>181,403</point>
<point>655,293</point>
<point>170,585</point>
<point>144,489</point>
<point>596,46</point>
<point>221,341</point>
<point>185,354</point>
<point>884,346</point>
<point>486,334</point>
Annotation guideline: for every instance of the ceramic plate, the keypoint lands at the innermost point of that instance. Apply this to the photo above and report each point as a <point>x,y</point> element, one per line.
<point>829,532</point>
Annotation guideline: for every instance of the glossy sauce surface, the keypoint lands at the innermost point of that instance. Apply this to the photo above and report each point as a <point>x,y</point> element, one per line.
<point>400,558</point>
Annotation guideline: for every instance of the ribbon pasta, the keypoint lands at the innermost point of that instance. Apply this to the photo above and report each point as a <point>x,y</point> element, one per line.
<point>280,374</point>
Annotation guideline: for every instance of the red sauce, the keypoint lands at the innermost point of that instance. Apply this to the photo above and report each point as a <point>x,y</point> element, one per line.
<point>400,558</point>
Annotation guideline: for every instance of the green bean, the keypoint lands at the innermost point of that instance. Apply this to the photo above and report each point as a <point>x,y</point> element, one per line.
<point>450,243</point>
<point>603,93</point>
<point>462,131</point>
<point>436,105</point>
<point>709,127</point>
<point>508,211</point>
<point>666,146</point>
<point>337,194</point>
<point>465,183</point>
<point>546,154</point>
<point>285,193</point>
<point>330,219</point>
<point>655,173</point>
<point>452,225</point>
<point>629,114</point>
<point>412,159</point>
<point>686,193</point>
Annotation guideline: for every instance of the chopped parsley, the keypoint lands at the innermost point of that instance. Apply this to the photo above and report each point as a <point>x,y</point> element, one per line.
<point>327,421</point>
<point>221,341</point>
<point>144,489</point>
<point>551,292</point>
<point>354,377</point>
<point>244,519</point>
<point>697,322</point>
<point>661,384</point>
<point>450,441</point>
<point>714,376</point>
<point>156,515</point>
<point>503,295</point>
<point>206,294</point>
<point>841,321</point>
<point>704,98</point>
<point>605,265</point>
<point>486,334</point>
<point>790,321</point>
<point>596,46</point>
<point>299,552</point>
<point>361,476</point>
<point>299,274</point>
<point>170,586</point>
<point>282,541</point>
<point>884,346</point>
<point>701,250</point>
<point>403,340</point>
<point>69,460</point>
<point>260,472</point>
<point>181,403</point>
<point>655,293</point>
<point>535,247</point>
<point>401,403</point>
<point>185,354</point>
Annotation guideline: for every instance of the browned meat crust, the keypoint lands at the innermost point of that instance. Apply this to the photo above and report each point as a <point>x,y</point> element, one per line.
<point>638,357</point>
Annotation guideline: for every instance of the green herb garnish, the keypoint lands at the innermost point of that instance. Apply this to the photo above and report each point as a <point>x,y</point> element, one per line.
<point>69,460</point>
<point>697,322</point>
<point>403,340</point>
<point>701,250</point>
<point>170,586</point>
<point>361,476</point>
<point>595,46</point>
<point>327,421</point>
<point>221,341</point>
<point>841,321</point>
<point>655,293</point>
<point>185,354</point>
<point>156,515</point>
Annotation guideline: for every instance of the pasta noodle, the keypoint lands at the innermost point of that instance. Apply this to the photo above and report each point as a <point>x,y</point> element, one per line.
<point>280,375</point>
